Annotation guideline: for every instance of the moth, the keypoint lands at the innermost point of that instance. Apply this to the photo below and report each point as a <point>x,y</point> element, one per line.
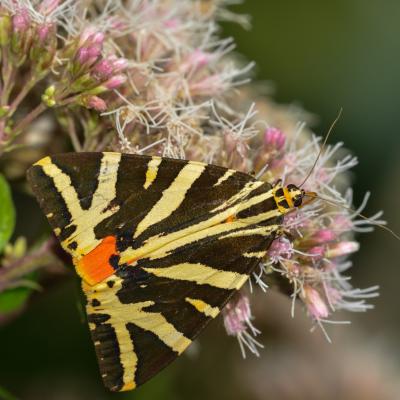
<point>160,245</point>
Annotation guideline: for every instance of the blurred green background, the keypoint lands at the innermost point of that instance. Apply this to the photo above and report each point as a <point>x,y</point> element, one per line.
<point>323,56</point>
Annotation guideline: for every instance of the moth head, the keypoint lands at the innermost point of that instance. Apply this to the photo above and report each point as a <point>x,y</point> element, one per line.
<point>288,197</point>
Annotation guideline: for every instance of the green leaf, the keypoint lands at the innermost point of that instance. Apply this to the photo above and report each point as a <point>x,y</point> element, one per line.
<point>6,395</point>
<point>12,299</point>
<point>7,213</point>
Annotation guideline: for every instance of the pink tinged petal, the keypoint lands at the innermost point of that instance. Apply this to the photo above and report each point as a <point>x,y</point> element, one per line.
<point>342,249</point>
<point>86,34</point>
<point>117,23</point>
<point>97,104</point>
<point>275,138</point>
<point>102,70</point>
<point>91,37</point>
<point>98,38</point>
<point>105,68</point>
<point>21,22</point>
<point>43,31</point>
<point>280,248</point>
<point>119,65</point>
<point>316,252</point>
<point>88,55</point>
<point>324,236</point>
<point>172,23</point>
<point>315,305</point>
<point>82,55</point>
<point>115,81</point>
<point>236,315</point>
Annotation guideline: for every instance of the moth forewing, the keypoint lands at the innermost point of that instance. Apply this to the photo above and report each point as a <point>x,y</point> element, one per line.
<point>161,246</point>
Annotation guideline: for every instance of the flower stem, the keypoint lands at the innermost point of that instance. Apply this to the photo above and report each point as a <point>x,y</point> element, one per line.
<point>29,84</point>
<point>26,264</point>
<point>28,119</point>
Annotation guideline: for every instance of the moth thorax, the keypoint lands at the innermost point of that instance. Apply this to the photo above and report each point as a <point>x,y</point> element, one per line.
<point>288,197</point>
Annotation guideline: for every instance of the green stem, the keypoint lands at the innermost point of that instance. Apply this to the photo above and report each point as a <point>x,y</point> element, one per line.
<point>26,264</point>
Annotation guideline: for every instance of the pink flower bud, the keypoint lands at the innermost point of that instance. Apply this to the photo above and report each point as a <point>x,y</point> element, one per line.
<point>323,236</point>
<point>117,23</point>
<point>115,81</point>
<point>43,32</point>
<point>21,21</point>
<point>105,68</point>
<point>90,36</point>
<point>315,305</point>
<point>102,70</point>
<point>96,103</point>
<point>86,33</point>
<point>98,38</point>
<point>274,137</point>
<point>87,55</point>
<point>316,252</point>
<point>342,249</point>
<point>236,315</point>
<point>119,65</point>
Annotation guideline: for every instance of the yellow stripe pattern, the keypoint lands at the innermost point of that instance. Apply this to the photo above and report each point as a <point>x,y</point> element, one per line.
<point>85,220</point>
<point>172,197</point>
<point>203,307</point>
<point>201,274</point>
<point>222,223</point>
<point>152,170</point>
<point>123,314</point>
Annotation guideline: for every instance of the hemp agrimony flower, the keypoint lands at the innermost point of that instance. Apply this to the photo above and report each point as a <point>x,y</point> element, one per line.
<point>154,77</point>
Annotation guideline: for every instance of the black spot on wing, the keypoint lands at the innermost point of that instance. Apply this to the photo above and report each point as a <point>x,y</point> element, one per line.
<point>137,276</point>
<point>66,233</point>
<point>96,303</point>
<point>110,283</point>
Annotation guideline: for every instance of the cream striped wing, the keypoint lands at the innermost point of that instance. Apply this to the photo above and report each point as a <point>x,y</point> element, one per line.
<point>161,245</point>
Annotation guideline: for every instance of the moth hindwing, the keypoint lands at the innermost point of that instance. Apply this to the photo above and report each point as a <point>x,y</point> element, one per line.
<point>160,244</point>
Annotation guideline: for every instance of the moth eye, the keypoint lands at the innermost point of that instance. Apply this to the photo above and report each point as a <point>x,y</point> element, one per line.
<point>297,201</point>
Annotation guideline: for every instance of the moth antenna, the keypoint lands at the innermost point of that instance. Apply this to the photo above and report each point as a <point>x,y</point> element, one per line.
<point>323,146</point>
<point>316,196</point>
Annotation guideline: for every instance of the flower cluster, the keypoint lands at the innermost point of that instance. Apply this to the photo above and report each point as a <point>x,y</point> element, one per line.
<point>312,253</point>
<point>51,67</point>
<point>148,76</point>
